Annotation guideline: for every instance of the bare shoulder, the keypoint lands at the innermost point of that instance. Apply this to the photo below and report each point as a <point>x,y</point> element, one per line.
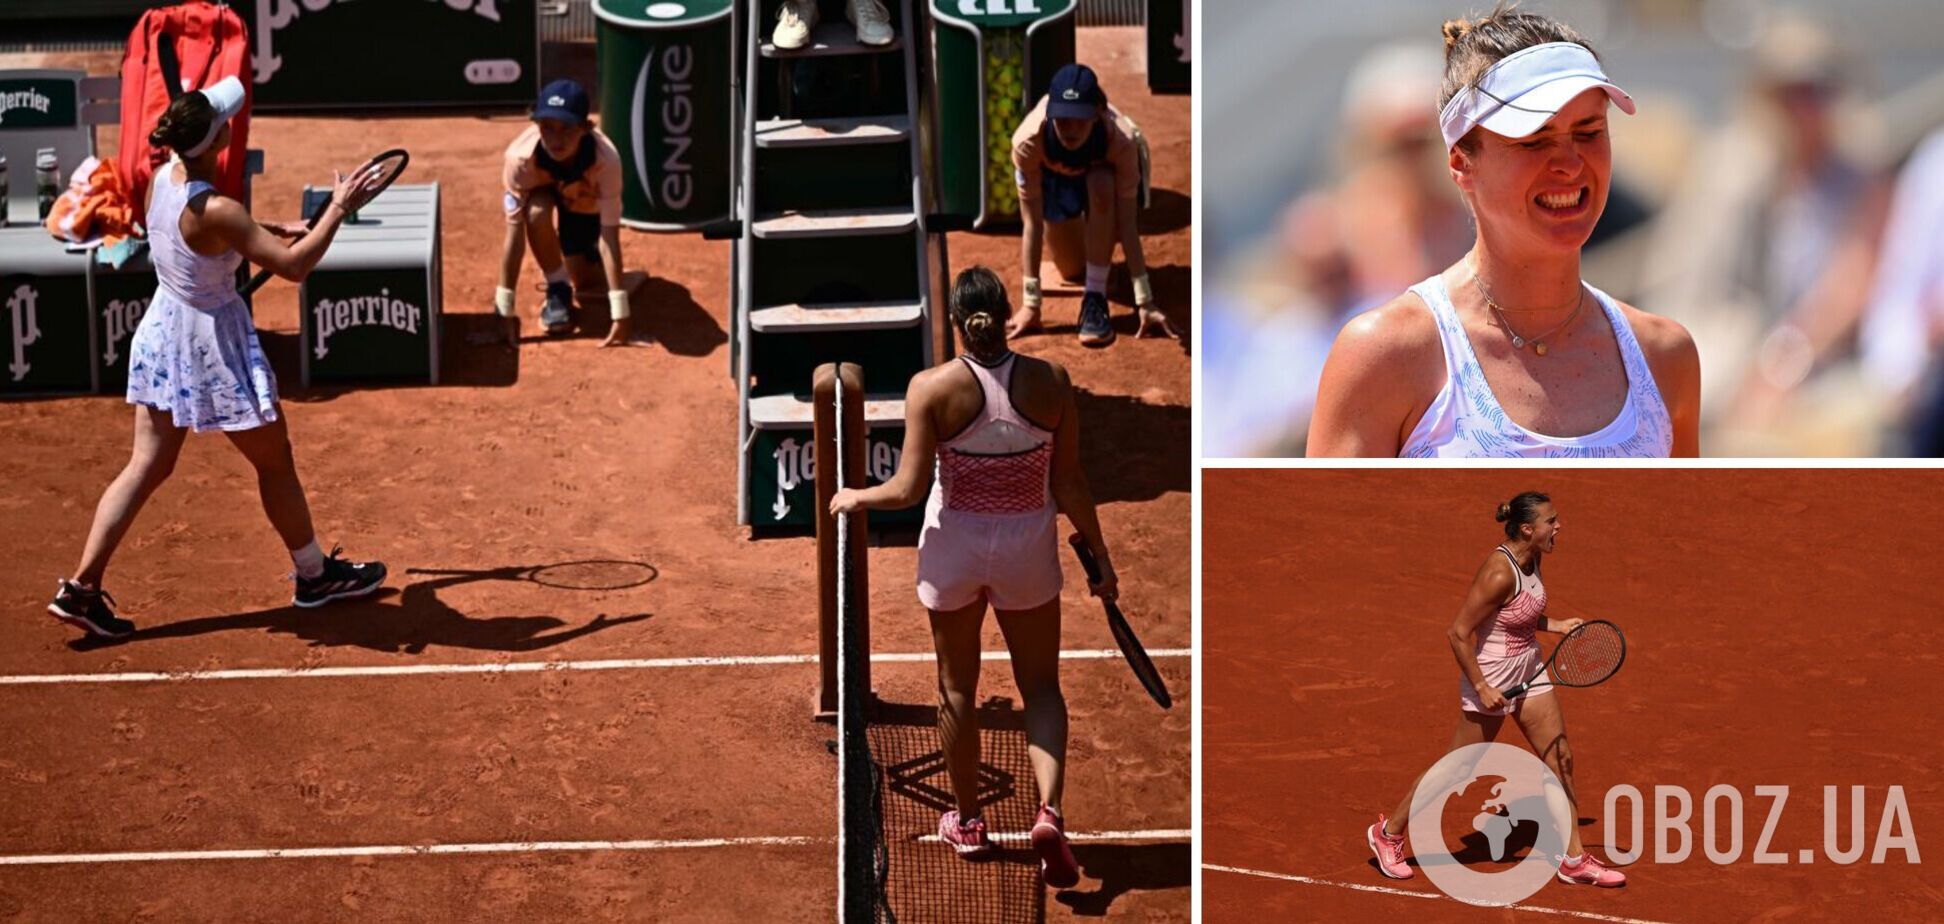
<point>1043,371</point>
<point>1662,338</point>
<point>1400,333</point>
<point>215,206</point>
<point>1494,573</point>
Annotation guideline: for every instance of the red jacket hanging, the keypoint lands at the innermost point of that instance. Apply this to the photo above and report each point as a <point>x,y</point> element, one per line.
<point>209,42</point>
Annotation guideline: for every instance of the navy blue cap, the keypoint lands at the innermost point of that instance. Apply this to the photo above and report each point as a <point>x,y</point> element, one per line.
<point>1074,93</point>
<point>563,101</point>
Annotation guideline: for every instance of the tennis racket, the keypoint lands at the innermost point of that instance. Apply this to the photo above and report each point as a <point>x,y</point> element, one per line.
<point>392,164</point>
<point>1587,655</point>
<point>1130,645</point>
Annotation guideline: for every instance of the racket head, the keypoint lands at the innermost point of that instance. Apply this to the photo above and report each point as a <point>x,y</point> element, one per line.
<point>393,163</point>
<point>1590,654</point>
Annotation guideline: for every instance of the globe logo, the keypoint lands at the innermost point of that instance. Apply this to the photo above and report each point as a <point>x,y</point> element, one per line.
<point>1512,799</point>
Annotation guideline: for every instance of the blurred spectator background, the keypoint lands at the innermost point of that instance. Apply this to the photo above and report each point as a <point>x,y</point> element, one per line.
<point>1781,193</point>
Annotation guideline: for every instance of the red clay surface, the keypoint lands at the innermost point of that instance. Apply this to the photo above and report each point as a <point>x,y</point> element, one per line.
<point>564,452</point>
<point>1782,629</point>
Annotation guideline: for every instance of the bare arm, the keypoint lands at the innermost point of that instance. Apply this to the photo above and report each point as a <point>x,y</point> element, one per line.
<point>1071,494</point>
<point>1032,235</point>
<point>914,476</point>
<point>1676,365</point>
<point>610,247</point>
<point>232,223</point>
<point>1490,589</point>
<point>1370,390</point>
<point>512,254</point>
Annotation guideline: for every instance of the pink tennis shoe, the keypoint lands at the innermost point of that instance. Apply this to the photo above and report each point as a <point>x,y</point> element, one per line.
<point>967,836</point>
<point>1588,871</point>
<point>1389,850</point>
<point>1057,865</point>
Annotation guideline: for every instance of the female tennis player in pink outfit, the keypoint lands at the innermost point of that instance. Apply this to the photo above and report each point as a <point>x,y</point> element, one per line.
<point>1493,640</point>
<point>1010,463</point>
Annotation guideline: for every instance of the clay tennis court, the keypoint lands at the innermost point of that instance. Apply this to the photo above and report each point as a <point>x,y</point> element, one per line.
<point>483,745</point>
<point>1782,630</point>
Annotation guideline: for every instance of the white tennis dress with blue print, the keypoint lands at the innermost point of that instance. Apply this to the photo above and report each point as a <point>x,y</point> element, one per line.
<point>195,353</point>
<point>1465,421</point>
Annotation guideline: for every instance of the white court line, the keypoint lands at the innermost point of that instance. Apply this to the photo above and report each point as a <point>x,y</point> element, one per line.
<point>524,667</point>
<point>1264,874</point>
<point>407,850</point>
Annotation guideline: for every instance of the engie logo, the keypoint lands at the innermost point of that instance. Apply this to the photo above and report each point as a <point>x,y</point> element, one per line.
<point>120,318</point>
<point>677,116</point>
<point>331,317</point>
<point>272,15</point>
<point>29,99</point>
<point>26,328</point>
<point>796,464</point>
<point>1508,792</point>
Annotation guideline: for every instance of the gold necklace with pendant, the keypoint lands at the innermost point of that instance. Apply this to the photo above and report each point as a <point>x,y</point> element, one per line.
<point>1518,342</point>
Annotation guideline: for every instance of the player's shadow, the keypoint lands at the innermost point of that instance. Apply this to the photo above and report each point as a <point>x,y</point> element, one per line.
<point>391,621</point>
<point>1133,450</point>
<point>1124,868</point>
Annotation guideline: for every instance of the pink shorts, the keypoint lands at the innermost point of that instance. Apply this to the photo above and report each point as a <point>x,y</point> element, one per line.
<point>1011,561</point>
<point>1505,672</point>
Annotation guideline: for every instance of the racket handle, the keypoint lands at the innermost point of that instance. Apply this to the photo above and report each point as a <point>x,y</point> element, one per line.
<point>1513,693</point>
<point>1086,557</point>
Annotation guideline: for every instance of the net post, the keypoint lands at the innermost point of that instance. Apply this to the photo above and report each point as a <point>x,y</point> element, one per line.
<point>823,391</point>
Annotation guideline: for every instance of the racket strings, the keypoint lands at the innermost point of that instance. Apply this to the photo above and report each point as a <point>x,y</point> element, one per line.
<point>1589,655</point>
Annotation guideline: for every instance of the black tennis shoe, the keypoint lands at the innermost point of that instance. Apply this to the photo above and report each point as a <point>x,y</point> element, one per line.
<point>340,580</point>
<point>89,610</point>
<point>1096,328</point>
<point>558,314</point>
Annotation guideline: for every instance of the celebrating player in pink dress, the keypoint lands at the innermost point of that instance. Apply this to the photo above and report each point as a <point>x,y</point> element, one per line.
<point>1493,641</point>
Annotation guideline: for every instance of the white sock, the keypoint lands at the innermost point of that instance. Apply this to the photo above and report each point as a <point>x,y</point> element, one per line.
<point>1575,861</point>
<point>309,560</point>
<point>559,274</point>
<point>1096,278</point>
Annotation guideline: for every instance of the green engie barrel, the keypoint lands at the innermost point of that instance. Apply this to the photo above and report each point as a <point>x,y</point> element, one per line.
<point>994,61</point>
<point>665,84</point>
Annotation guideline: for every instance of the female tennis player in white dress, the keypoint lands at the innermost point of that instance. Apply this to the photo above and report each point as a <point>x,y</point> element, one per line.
<point>194,363</point>
<point>1509,353</point>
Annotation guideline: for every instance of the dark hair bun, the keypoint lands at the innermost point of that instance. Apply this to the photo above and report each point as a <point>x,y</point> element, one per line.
<point>1455,29</point>
<point>1504,512</point>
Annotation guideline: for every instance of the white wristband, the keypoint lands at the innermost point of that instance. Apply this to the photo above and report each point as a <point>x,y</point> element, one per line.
<point>1143,291</point>
<point>618,304</point>
<point>503,301</point>
<point>1031,292</point>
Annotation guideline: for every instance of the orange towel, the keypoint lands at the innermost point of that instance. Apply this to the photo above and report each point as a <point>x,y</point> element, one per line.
<point>94,208</point>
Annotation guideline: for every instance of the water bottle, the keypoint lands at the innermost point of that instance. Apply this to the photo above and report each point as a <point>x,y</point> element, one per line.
<point>3,190</point>
<point>47,179</point>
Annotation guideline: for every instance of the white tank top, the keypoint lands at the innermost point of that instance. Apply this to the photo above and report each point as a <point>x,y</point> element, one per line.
<point>200,281</point>
<point>1001,462</point>
<point>1466,421</point>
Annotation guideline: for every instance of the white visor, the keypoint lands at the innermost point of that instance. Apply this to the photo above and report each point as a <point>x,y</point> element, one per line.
<point>1517,95</point>
<point>227,97</point>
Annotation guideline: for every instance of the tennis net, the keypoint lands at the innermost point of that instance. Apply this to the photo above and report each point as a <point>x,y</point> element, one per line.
<point>862,863</point>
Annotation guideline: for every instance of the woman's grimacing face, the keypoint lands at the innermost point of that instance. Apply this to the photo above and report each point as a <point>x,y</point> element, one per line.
<point>1545,191</point>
